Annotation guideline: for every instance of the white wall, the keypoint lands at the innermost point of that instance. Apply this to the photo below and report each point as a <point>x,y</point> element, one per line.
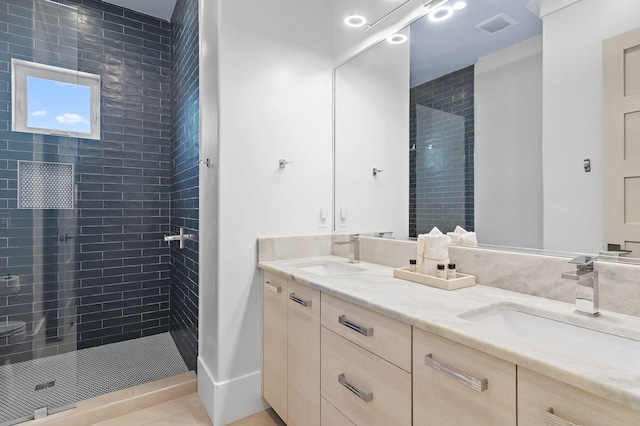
<point>275,91</point>
<point>508,146</point>
<point>208,192</point>
<point>572,58</point>
<point>372,130</point>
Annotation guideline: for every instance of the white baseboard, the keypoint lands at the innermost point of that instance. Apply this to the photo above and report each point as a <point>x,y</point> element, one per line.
<point>206,387</point>
<point>230,400</point>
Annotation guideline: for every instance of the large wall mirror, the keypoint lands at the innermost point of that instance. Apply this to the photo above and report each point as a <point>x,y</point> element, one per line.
<point>490,117</point>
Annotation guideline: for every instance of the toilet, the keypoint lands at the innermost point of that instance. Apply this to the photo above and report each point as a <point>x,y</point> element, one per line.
<point>15,332</point>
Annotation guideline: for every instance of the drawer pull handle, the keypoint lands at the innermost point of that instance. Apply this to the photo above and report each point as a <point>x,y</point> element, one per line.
<point>355,327</point>
<point>366,397</point>
<point>272,287</point>
<point>551,419</point>
<point>296,299</point>
<point>479,385</point>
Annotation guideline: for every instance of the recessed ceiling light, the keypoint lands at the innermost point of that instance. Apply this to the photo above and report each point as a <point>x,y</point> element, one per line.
<point>459,5</point>
<point>397,38</point>
<point>441,13</point>
<point>355,21</point>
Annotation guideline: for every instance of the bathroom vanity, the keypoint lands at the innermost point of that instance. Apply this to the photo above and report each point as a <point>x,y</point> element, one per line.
<point>351,345</point>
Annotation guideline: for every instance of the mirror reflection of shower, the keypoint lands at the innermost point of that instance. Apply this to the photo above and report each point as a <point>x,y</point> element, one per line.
<point>441,191</point>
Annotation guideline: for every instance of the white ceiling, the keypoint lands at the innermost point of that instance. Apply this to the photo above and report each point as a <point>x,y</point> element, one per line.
<point>439,48</point>
<point>162,9</point>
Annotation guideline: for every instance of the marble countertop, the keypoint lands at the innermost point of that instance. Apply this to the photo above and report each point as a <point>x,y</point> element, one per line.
<point>438,311</point>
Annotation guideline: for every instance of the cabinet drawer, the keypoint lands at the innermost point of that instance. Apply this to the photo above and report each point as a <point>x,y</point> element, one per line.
<point>274,372</point>
<point>303,374</point>
<point>384,336</point>
<point>331,416</point>
<point>364,387</point>
<point>545,401</point>
<point>443,397</point>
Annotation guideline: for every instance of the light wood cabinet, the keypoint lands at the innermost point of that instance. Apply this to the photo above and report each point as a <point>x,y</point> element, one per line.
<point>303,354</point>
<point>364,387</point>
<point>330,362</point>
<point>274,372</point>
<point>384,336</point>
<point>545,401</point>
<point>331,416</point>
<point>456,385</point>
<point>291,370</point>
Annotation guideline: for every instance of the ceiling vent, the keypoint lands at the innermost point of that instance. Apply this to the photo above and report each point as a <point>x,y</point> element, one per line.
<point>497,23</point>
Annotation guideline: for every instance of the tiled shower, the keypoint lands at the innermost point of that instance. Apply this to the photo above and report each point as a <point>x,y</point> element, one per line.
<point>441,146</point>
<point>183,318</point>
<point>99,272</point>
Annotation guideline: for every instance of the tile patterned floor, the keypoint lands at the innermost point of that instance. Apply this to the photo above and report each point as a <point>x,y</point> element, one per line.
<point>86,374</point>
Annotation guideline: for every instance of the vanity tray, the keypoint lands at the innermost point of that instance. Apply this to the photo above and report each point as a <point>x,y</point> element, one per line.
<point>461,280</point>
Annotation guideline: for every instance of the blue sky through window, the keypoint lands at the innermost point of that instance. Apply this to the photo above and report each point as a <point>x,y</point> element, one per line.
<point>58,106</point>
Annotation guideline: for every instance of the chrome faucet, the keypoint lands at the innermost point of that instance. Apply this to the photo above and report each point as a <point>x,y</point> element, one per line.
<point>586,278</point>
<point>354,247</point>
<point>615,250</point>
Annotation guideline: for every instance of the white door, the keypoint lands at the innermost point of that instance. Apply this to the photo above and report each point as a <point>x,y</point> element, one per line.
<point>621,141</point>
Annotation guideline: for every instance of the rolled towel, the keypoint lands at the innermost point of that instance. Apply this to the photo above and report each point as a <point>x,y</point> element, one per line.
<point>462,237</point>
<point>433,249</point>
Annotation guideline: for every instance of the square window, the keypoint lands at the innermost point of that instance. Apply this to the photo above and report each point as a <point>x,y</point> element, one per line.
<point>55,101</point>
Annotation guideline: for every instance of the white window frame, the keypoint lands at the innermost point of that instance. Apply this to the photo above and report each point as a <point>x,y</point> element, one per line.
<point>22,70</point>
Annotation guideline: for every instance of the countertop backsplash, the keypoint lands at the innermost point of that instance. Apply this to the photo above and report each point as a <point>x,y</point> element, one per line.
<point>282,248</point>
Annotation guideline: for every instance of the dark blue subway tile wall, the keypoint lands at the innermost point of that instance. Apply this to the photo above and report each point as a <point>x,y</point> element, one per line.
<point>132,54</point>
<point>441,174</point>
<point>185,148</point>
<point>111,249</point>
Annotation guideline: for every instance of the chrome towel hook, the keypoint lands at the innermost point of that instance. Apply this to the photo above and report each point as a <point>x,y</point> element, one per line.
<point>283,163</point>
<point>206,162</point>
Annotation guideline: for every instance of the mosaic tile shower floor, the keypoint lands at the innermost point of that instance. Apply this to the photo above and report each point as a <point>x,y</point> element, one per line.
<point>85,374</point>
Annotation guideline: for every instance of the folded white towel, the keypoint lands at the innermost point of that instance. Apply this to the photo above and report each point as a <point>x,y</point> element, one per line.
<point>462,237</point>
<point>433,248</point>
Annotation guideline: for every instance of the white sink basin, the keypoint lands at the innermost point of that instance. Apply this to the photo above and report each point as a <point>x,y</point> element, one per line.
<point>603,348</point>
<point>329,269</point>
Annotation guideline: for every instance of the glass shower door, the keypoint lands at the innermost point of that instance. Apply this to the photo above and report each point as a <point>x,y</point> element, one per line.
<point>38,223</point>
